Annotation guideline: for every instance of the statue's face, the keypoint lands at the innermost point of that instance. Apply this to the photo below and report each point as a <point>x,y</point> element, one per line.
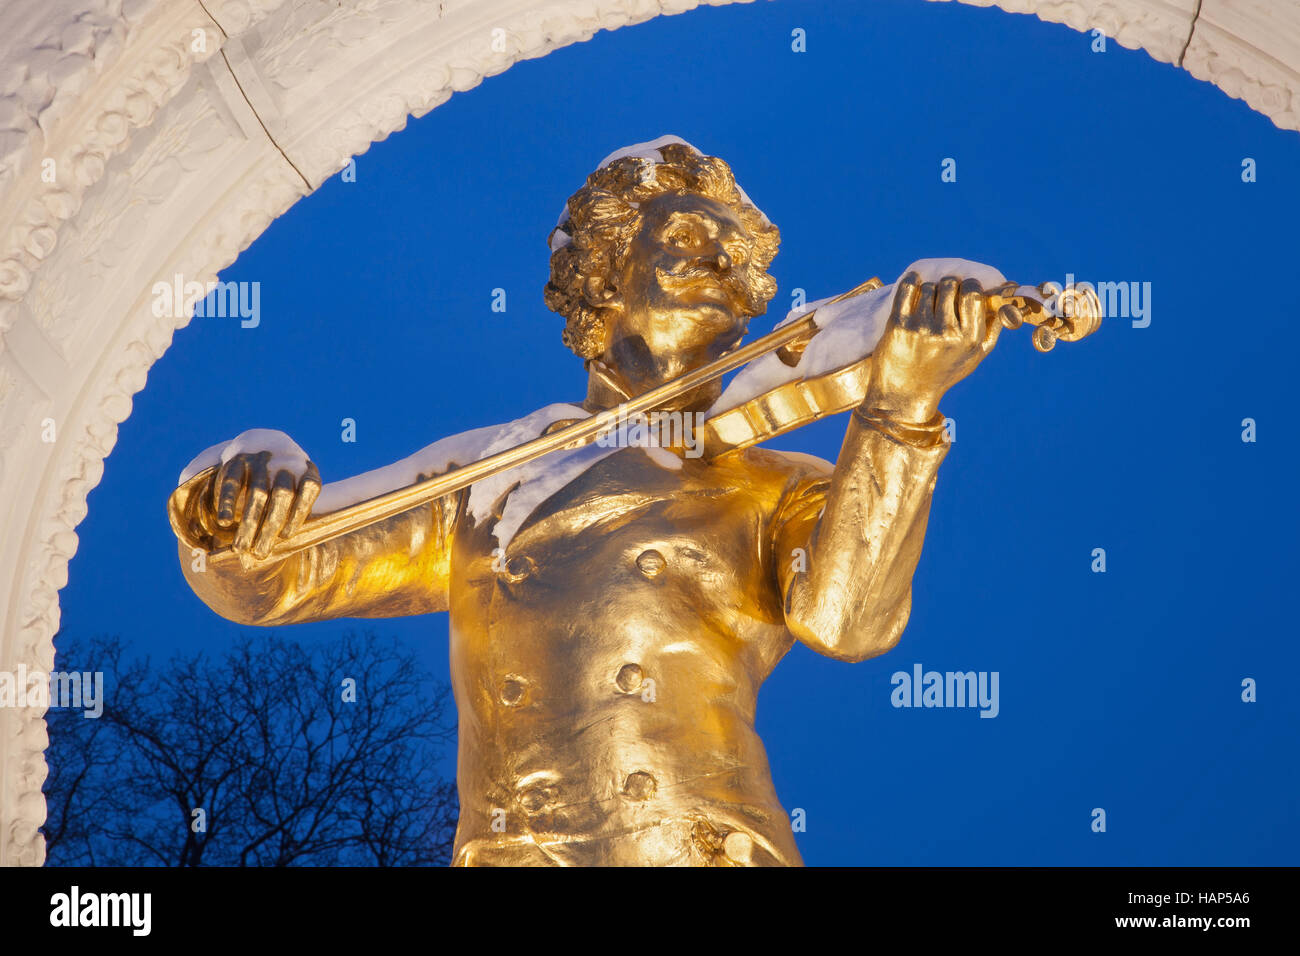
<point>682,298</point>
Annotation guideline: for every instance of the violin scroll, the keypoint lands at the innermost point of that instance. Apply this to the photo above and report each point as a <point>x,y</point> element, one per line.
<point>1060,315</point>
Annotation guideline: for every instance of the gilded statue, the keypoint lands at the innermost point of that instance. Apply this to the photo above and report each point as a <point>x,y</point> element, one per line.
<point>610,628</point>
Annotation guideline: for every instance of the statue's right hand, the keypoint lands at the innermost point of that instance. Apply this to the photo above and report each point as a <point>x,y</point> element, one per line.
<point>262,490</point>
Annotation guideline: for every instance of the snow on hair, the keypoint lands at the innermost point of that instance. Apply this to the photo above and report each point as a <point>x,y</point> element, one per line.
<point>603,219</point>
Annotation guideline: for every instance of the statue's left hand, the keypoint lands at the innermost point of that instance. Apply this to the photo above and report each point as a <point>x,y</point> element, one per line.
<point>261,490</point>
<point>937,333</point>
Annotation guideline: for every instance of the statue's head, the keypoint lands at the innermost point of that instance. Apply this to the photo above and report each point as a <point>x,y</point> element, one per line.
<point>659,262</point>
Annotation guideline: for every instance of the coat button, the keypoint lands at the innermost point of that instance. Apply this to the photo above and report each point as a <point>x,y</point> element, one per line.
<point>512,690</point>
<point>739,847</point>
<point>519,567</point>
<point>640,785</point>
<point>629,678</point>
<point>535,799</point>
<point>650,563</point>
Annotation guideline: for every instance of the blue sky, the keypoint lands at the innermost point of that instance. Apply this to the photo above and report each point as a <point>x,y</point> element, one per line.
<point>1119,690</point>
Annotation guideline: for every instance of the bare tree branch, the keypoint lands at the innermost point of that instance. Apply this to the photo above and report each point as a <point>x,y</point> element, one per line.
<point>285,771</point>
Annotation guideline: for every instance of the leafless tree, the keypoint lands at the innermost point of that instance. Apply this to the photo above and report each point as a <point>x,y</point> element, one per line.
<point>278,754</point>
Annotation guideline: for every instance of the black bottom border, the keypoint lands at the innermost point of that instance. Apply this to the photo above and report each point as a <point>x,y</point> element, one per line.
<point>334,905</point>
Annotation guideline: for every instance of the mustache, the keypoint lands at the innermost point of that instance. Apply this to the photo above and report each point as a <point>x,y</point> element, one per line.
<point>728,281</point>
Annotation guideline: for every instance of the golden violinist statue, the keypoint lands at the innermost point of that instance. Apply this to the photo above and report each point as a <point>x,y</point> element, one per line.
<point>607,648</point>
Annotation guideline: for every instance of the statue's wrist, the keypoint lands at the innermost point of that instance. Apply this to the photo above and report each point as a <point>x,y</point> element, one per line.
<point>914,410</point>
<point>913,424</point>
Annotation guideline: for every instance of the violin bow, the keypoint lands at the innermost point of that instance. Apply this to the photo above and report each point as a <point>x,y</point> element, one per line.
<point>1079,318</point>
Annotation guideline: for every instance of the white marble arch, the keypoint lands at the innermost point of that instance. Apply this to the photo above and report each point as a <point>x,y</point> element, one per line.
<point>178,129</point>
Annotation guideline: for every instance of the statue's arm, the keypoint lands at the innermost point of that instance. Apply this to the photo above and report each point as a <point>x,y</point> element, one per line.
<point>396,567</point>
<point>263,489</point>
<point>847,545</point>
<point>850,595</point>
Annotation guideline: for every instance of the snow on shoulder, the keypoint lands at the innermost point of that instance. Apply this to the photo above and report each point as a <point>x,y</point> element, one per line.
<point>526,486</point>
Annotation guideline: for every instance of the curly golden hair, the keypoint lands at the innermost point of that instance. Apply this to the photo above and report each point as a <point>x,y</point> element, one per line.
<point>604,219</point>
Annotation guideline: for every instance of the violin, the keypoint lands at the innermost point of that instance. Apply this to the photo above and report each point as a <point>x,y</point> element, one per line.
<point>1072,314</point>
<point>791,404</point>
